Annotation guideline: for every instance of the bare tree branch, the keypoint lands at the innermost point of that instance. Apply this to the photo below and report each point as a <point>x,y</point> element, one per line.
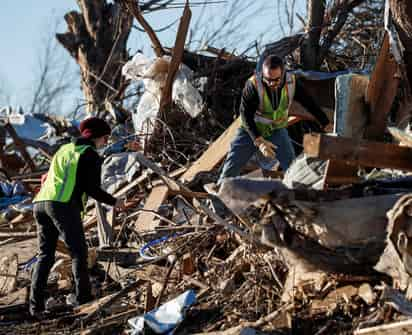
<point>336,28</point>
<point>55,78</point>
<point>134,9</point>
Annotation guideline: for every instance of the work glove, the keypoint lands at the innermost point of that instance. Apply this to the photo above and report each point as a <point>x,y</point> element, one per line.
<point>267,148</point>
<point>119,205</point>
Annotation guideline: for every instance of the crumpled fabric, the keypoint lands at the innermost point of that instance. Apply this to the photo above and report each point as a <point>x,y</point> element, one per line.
<point>119,169</point>
<point>11,189</point>
<point>153,74</point>
<point>6,202</point>
<point>306,172</point>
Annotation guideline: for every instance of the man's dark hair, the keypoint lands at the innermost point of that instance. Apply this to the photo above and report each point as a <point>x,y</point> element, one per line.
<point>273,62</point>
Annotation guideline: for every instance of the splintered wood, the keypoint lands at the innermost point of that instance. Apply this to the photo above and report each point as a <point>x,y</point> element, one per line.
<point>215,153</point>
<point>358,152</point>
<point>146,220</point>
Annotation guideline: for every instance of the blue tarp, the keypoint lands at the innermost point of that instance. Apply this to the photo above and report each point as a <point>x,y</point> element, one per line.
<point>7,201</point>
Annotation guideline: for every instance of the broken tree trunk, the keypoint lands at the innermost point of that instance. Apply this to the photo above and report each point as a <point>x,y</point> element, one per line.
<point>310,47</point>
<point>402,16</point>
<point>401,11</point>
<point>96,39</point>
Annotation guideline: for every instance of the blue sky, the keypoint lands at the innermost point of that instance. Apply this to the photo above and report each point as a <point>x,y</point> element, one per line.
<point>25,24</point>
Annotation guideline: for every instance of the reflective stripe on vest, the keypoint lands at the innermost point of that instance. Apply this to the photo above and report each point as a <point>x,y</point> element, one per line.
<point>61,178</point>
<point>267,119</point>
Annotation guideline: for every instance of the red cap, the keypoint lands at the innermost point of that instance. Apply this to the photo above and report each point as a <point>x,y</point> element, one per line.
<point>94,127</point>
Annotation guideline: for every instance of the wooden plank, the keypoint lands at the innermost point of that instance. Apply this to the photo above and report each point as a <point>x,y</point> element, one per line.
<point>129,186</point>
<point>125,257</point>
<point>175,173</point>
<point>145,221</point>
<point>104,229</point>
<point>8,274</point>
<point>358,152</point>
<point>340,172</point>
<point>177,55</point>
<point>214,154</point>
<point>382,90</point>
<point>396,328</point>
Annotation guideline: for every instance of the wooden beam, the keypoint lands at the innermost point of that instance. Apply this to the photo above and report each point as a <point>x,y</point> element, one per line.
<point>145,221</point>
<point>104,229</point>
<point>382,90</point>
<point>340,172</point>
<point>214,154</point>
<point>177,56</point>
<point>396,328</point>
<point>358,152</point>
<point>124,257</point>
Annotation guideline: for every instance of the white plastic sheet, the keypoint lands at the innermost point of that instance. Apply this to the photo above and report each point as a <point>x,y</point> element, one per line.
<point>153,73</point>
<point>165,318</point>
<point>119,169</point>
<point>305,172</point>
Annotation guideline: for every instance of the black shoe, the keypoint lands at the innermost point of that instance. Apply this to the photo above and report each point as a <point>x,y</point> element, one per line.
<point>39,315</point>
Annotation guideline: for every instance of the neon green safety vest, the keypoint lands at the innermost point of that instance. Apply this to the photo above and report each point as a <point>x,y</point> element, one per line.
<point>61,178</point>
<point>266,118</point>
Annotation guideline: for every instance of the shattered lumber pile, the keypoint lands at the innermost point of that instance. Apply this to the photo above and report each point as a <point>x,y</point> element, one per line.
<point>311,262</point>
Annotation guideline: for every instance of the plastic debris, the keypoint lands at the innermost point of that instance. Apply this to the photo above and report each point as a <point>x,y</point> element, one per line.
<point>165,318</point>
<point>153,73</point>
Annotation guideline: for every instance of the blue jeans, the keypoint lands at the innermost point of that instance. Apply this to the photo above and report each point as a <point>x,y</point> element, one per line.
<point>243,148</point>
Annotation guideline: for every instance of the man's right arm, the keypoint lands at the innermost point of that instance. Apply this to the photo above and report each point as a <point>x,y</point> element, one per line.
<point>249,103</point>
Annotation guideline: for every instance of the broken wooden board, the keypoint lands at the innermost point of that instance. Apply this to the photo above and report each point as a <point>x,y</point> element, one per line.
<point>214,154</point>
<point>104,229</point>
<point>330,303</point>
<point>355,152</point>
<point>175,186</point>
<point>382,90</point>
<point>177,56</point>
<point>339,173</point>
<point>145,221</point>
<point>17,297</point>
<point>396,328</point>
<point>125,257</point>
<point>8,274</point>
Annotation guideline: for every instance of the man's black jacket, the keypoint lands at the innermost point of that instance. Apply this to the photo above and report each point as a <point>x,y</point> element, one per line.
<point>250,103</point>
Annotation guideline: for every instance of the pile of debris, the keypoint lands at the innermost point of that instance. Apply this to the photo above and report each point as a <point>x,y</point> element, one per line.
<point>322,249</point>
<point>274,258</point>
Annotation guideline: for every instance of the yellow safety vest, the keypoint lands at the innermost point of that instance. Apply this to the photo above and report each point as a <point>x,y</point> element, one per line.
<point>266,118</point>
<point>61,177</point>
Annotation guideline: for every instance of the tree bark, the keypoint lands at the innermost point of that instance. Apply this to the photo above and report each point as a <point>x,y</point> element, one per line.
<point>402,16</point>
<point>312,51</point>
<point>96,39</point>
<point>310,47</point>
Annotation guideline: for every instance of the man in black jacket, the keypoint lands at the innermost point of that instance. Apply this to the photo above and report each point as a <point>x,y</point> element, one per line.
<point>73,175</point>
<point>264,106</point>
